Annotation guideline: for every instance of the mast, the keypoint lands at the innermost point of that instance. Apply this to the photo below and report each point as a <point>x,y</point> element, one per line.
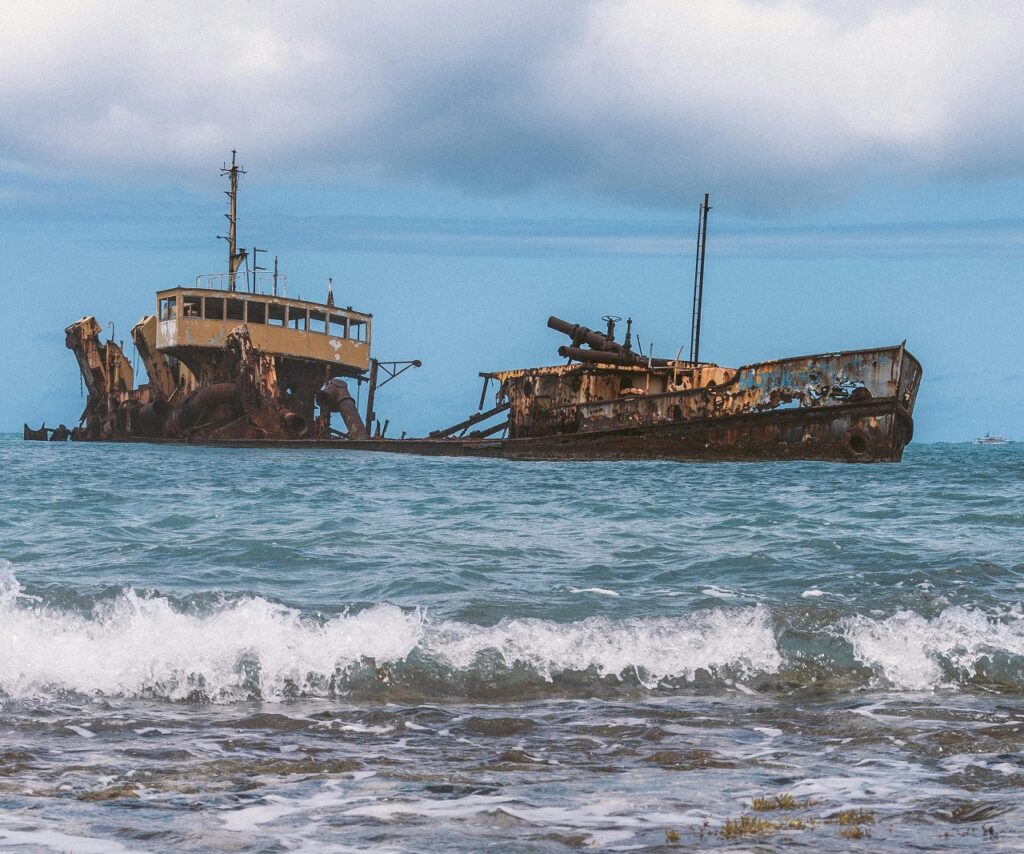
<point>235,256</point>
<point>698,278</point>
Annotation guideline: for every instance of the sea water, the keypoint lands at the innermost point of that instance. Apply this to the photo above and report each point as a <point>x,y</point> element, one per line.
<point>225,649</point>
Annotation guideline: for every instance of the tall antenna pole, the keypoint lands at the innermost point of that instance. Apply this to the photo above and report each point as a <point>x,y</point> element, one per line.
<point>696,273</point>
<point>255,268</point>
<point>698,279</point>
<point>235,255</point>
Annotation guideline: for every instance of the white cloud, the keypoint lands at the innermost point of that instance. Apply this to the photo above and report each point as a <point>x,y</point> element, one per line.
<point>765,103</point>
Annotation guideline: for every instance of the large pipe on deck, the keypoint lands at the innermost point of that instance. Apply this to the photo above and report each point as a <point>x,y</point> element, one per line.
<point>623,358</point>
<point>583,335</point>
<point>152,415</point>
<point>334,396</point>
<point>293,422</point>
<point>200,406</point>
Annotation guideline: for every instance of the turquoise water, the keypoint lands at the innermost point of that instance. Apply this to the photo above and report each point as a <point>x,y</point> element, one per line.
<point>212,649</point>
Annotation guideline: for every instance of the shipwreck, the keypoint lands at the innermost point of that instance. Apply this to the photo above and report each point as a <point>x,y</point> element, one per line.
<point>232,360</point>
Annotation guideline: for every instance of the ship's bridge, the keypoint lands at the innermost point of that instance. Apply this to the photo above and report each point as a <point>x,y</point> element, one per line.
<point>204,315</point>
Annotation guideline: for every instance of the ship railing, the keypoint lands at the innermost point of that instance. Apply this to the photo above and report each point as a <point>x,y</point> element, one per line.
<point>246,281</point>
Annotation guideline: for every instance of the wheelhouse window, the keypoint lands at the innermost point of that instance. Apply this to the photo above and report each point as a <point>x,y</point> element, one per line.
<point>318,321</point>
<point>192,306</point>
<point>213,308</point>
<point>297,318</point>
<point>275,315</point>
<point>338,327</point>
<point>256,312</point>
<point>167,307</point>
<point>236,309</point>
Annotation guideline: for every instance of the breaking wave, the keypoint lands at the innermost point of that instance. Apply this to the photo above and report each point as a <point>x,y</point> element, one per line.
<point>143,646</point>
<point>959,645</point>
<point>132,645</point>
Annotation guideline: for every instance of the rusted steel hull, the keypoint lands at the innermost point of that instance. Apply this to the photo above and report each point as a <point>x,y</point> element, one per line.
<point>876,431</point>
<point>873,431</point>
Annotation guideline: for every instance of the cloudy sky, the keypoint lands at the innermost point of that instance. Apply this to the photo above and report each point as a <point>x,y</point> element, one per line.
<point>465,169</point>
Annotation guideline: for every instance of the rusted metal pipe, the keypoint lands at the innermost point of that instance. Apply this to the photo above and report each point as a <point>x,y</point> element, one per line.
<point>583,335</point>
<point>152,415</point>
<point>603,357</point>
<point>490,431</point>
<point>469,422</point>
<point>334,396</point>
<point>293,422</point>
<point>199,406</point>
<point>371,392</point>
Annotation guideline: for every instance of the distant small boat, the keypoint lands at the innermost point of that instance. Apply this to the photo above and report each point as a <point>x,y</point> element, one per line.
<point>988,439</point>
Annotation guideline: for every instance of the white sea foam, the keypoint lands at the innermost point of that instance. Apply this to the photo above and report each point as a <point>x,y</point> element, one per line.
<point>21,832</point>
<point>719,593</point>
<point>82,731</point>
<point>600,591</point>
<point>916,653</point>
<point>134,645</point>
<point>656,648</point>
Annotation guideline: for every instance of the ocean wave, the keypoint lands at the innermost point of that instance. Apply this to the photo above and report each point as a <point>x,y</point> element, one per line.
<point>134,645</point>
<point>146,645</point>
<point>959,645</point>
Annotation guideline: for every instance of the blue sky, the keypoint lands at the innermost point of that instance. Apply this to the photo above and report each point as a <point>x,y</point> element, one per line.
<point>463,170</point>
